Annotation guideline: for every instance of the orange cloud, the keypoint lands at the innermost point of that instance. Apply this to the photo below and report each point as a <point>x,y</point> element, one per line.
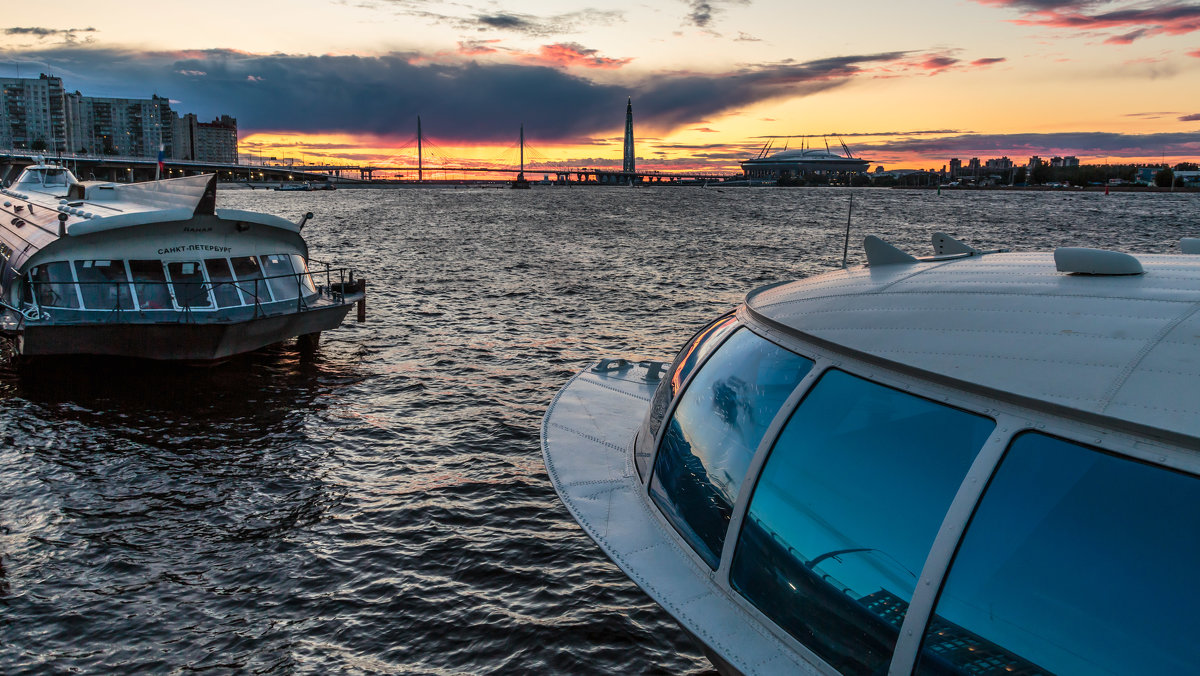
<point>567,54</point>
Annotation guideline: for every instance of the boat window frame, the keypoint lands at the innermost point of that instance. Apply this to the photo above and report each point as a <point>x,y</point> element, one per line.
<point>282,280</point>
<point>751,484</point>
<point>233,283</point>
<point>1011,418</point>
<point>128,282</point>
<point>166,284</point>
<point>771,429</point>
<point>305,279</point>
<point>655,439</point>
<point>74,283</point>
<point>251,298</point>
<point>1091,439</point>
<point>206,284</point>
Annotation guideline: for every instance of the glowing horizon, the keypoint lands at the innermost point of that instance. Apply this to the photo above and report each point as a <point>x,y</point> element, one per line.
<point>1103,80</point>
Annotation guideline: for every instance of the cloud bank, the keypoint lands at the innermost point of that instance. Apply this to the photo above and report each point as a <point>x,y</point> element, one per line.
<point>1021,146</point>
<point>1123,22</point>
<point>462,100</point>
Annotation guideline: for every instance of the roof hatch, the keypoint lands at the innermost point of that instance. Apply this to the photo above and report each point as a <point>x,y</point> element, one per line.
<point>1081,261</point>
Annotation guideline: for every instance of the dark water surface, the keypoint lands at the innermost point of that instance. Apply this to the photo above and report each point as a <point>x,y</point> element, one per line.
<point>384,508</point>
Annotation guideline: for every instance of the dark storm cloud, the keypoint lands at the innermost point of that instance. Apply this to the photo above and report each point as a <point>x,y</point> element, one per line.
<point>525,24</point>
<point>507,22</point>
<point>40,32</point>
<point>1021,145</point>
<point>467,101</point>
<point>703,11</point>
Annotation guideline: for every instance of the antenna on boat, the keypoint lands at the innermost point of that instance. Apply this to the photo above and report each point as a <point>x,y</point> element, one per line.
<point>303,220</point>
<point>846,244</point>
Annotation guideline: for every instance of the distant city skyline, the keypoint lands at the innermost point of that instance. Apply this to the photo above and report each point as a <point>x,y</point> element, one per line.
<point>711,80</point>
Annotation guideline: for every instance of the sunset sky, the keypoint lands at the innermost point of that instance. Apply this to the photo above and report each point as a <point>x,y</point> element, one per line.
<point>903,84</point>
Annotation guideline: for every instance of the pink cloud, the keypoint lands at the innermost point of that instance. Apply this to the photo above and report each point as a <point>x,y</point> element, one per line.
<point>1195,53</point>
<point>568,54</point>
<point>933,64</point>
<point>1134,22</point>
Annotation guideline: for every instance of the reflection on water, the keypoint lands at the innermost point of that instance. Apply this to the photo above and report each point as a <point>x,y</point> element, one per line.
<point>384,507</point>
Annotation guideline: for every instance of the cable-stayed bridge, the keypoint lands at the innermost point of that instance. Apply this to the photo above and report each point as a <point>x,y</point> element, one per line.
<point>420,160</point>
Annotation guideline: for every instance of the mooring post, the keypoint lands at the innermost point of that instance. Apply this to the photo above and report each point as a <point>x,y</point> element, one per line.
<point>362,302</point>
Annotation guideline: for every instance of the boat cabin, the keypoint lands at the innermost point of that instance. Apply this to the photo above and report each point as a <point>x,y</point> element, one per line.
<point>984,464</point>
<point>87,267</point>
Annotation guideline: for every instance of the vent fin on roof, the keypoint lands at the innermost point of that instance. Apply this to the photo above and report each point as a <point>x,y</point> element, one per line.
<point>1190,245</point>
<point>880,252</point>
<point>1081,261</point>
<point>945,245</point>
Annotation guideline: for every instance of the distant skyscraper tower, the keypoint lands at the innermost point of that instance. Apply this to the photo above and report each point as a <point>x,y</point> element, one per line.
<point>628,166</point>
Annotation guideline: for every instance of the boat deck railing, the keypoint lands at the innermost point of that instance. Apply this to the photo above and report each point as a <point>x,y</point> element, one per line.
<point>187,299</point>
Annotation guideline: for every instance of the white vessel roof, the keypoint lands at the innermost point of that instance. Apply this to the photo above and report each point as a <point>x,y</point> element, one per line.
<point>98,206</point>
<point>1124,347</point>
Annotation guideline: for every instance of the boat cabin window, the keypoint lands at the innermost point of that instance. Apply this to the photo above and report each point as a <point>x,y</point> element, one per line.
<point>1075,562</point>
<point>250,277</point>
<point>224,286</point>
<point>104,285</point>
<point>306,280</point>
<point>713,433</point>
<point>188,283</point>
<point>150,285</point>
<point>845,511</point>
<point>280,275</point>
<point>53,285</point>
<point>50,177</point>
<point>700,346</point>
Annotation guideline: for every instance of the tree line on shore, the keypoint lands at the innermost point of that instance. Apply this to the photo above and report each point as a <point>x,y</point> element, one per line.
<point>1042,174</point>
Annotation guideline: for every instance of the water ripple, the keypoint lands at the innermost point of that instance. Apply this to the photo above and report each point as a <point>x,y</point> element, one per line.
<point>383,508</point>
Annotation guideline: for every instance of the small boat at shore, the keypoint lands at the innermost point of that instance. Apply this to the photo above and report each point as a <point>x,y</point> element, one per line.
<point>970,463</point>
<point>154,270</point>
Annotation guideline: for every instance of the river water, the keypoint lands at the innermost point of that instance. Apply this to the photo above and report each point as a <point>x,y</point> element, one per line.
<point>383,508</point>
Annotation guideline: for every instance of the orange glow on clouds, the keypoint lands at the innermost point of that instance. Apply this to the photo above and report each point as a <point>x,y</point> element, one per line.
<point>567,54</point>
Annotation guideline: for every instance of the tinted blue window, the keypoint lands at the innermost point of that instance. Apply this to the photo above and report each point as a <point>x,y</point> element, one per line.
<point>1075,562</point>
<point>845,511</point>
<point>710,439</point>
<point>693,353</point>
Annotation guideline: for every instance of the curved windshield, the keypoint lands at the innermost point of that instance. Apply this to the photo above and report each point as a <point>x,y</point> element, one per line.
<point>53,285</point>
<point>52,177</point>
<point>280,275</point>
<point>1075,562</point>
<point>845,511</point>
<point>714,432</point>
<point>699,347</point>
